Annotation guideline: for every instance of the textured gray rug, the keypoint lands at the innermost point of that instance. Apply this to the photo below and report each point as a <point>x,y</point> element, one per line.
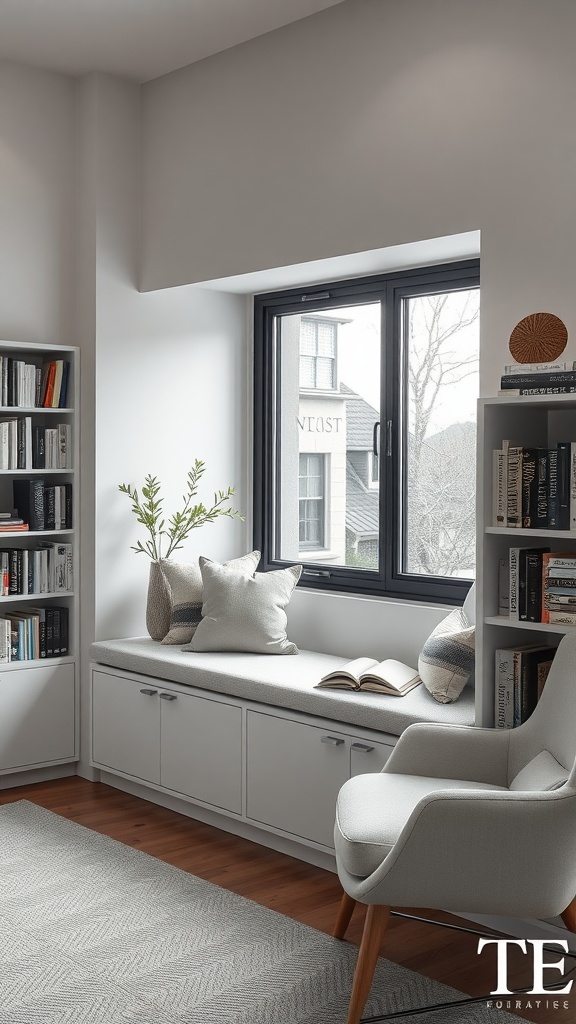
<point>94,932</point>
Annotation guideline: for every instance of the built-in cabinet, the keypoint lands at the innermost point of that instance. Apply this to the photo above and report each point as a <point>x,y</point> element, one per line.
<point>277,770</point>
<point>530,421</point>
<point>39,695</point>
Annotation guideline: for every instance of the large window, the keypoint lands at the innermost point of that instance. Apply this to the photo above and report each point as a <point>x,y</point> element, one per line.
<point>376,379</point>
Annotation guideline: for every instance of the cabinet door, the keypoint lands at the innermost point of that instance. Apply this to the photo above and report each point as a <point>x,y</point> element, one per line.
<point>126,726</point>
<point>36,716</point>
<point>201,744</point>
<point>294,774</point>
<point>367,756</point>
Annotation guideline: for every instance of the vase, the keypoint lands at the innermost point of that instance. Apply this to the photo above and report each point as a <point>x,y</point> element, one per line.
<point>158,604</point>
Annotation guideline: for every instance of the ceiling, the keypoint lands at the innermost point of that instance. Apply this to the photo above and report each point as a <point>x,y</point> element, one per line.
<point>136,39</point>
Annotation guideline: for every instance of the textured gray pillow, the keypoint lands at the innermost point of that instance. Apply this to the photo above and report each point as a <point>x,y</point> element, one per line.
<point>185,582</point>
<point>447,658</point>
<point>244,613</point>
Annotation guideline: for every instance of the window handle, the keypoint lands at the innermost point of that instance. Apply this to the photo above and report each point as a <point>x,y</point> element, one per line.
<point>389,438</point>
<point>316,572</point>
<point>375,432</point>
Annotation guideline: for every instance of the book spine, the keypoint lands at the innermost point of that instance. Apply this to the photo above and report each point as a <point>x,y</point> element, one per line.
<point>533,586</point>
<point>56,632</point>
<point>49,508</point>
<point>534,368</point>
<point>503,587</point>
<point>64,631</point>
<point>62,404</point>
<point>504,711</point>
<point>499,488</point>
<point>572,486</point>
<point>515,380</point>
<point>522,583</point>
<point>37,505</point>
<point>552,494</point>
<point>529,487</point>
<point>517,688</point>
<point>49,394</point>
<point>559,561</point>
<point>514,489</point>
<point>562,389</point>
<point>560,618</point>
<point>49,632</point>
<point>563,485</point>
<point>542,490</point>
<point>514,556</point>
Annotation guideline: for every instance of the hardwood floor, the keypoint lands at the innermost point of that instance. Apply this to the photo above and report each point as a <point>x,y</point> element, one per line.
<point>289,886</point>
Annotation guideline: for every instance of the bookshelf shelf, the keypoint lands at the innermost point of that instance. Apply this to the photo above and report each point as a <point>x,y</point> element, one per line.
<point>39,691</point>
<point>535,627</point>
<point>509,531</point>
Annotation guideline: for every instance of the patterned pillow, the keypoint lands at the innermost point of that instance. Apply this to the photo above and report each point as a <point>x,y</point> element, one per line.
<point>446,660</point>
<point>185,581</point>
<point>245,613</point>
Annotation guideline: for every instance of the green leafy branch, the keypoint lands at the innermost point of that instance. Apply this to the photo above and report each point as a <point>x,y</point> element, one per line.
<point>149,512</point>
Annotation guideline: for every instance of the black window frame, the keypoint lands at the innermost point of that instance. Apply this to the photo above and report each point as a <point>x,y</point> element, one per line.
<point>390,289</point>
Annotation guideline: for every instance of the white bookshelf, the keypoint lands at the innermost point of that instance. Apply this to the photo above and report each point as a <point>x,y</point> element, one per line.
<point>39,698</point>
<point>532,421</point>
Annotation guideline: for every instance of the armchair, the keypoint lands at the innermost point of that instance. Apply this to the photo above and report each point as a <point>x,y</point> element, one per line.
<point>465,820</point>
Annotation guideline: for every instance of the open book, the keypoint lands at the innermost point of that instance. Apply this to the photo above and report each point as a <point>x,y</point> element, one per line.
<point>388,676</point>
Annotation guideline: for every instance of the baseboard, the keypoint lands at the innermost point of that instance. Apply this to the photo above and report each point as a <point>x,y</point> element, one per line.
<point>29,778</point>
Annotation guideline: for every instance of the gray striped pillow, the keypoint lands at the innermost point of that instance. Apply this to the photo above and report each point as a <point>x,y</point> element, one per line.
<point>446,660</point>
<point>185,582</point>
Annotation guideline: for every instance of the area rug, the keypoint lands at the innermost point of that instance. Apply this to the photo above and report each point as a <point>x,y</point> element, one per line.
<point>95,932</point>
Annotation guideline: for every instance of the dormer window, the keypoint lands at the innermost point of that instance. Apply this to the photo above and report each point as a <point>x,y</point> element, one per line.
<point>318,354</point>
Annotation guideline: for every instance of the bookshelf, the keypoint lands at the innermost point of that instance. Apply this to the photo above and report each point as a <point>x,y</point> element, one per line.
<point>531,421</point>
<point>39,693</point>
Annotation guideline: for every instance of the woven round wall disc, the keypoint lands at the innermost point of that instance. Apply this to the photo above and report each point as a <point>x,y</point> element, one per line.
<point>538,338</point>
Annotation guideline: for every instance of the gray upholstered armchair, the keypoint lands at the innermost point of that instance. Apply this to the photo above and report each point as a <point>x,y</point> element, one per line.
<point>464,819</point>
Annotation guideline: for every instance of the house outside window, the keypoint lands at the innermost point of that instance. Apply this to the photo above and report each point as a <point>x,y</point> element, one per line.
<point>312,482</point>
<point>376,382</point>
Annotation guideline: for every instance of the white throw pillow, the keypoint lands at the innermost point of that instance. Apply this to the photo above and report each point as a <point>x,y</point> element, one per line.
<point>185,582</point>
<point>446,660</point>
<point>244,613</point>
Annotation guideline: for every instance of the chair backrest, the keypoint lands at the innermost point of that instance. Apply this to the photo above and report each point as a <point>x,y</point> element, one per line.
<point>550,728</point>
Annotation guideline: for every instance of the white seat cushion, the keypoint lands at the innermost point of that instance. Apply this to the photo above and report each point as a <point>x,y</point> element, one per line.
<point>372,810</point>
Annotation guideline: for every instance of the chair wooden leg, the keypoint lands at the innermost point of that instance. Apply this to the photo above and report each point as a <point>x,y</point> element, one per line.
<point>374,928</point>
<point>345,912</point>
<point>569,916</point>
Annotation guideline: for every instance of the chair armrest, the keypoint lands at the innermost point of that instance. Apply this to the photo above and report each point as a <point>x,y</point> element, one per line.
<point>481,852</point>
<point>452,752</point>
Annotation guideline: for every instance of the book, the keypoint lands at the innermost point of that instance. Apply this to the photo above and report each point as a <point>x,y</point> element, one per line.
<point>532,380</point>
<point>531,611</point>
<point>537,368</point>
<point>563,389</point>
<point>499,487</point>
<point>553,560</point>
<point>29,501</point>
<point>514,483</point>
<point>530,487</point>
<point>552,489</point>
<point>535,665</point>
<point>503,587</point>
<point>389,676</point>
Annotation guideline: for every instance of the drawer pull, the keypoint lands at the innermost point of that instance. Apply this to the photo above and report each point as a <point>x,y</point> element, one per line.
<point>363,747</point>
<point>149,693</point>
<point>334,741</point>
<point>167,696</point>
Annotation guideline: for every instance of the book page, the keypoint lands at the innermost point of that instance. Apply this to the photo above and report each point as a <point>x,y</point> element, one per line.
<point>394,673</point>
<point>352,669</point>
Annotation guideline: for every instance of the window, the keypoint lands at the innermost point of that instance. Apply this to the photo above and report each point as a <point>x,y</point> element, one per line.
<point>311,501</point>
<point>365,426</point>
<point>317,354</point>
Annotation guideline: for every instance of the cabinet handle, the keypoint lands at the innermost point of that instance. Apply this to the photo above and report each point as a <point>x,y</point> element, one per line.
<point>149,693</point>
<point>334,741</point>
<point>167,696</point>
<point>363,747</point>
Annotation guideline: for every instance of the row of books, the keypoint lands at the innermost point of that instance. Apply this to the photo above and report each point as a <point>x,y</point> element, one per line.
<point>44,569</point>
<point>539,379</point>
<point>31,633</point>
<point>27,445</point>
<point>28,386</point>
<point>43,506</point>
<point>521,673</point>
<point>535,488</point>
<point>538,585</point>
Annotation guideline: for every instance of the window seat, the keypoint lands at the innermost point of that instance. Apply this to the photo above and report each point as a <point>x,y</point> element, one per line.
<point>282,681</point>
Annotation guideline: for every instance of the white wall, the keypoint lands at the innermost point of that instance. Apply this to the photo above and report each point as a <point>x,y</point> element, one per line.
<point>37,210</point>
<point>373,124</point>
